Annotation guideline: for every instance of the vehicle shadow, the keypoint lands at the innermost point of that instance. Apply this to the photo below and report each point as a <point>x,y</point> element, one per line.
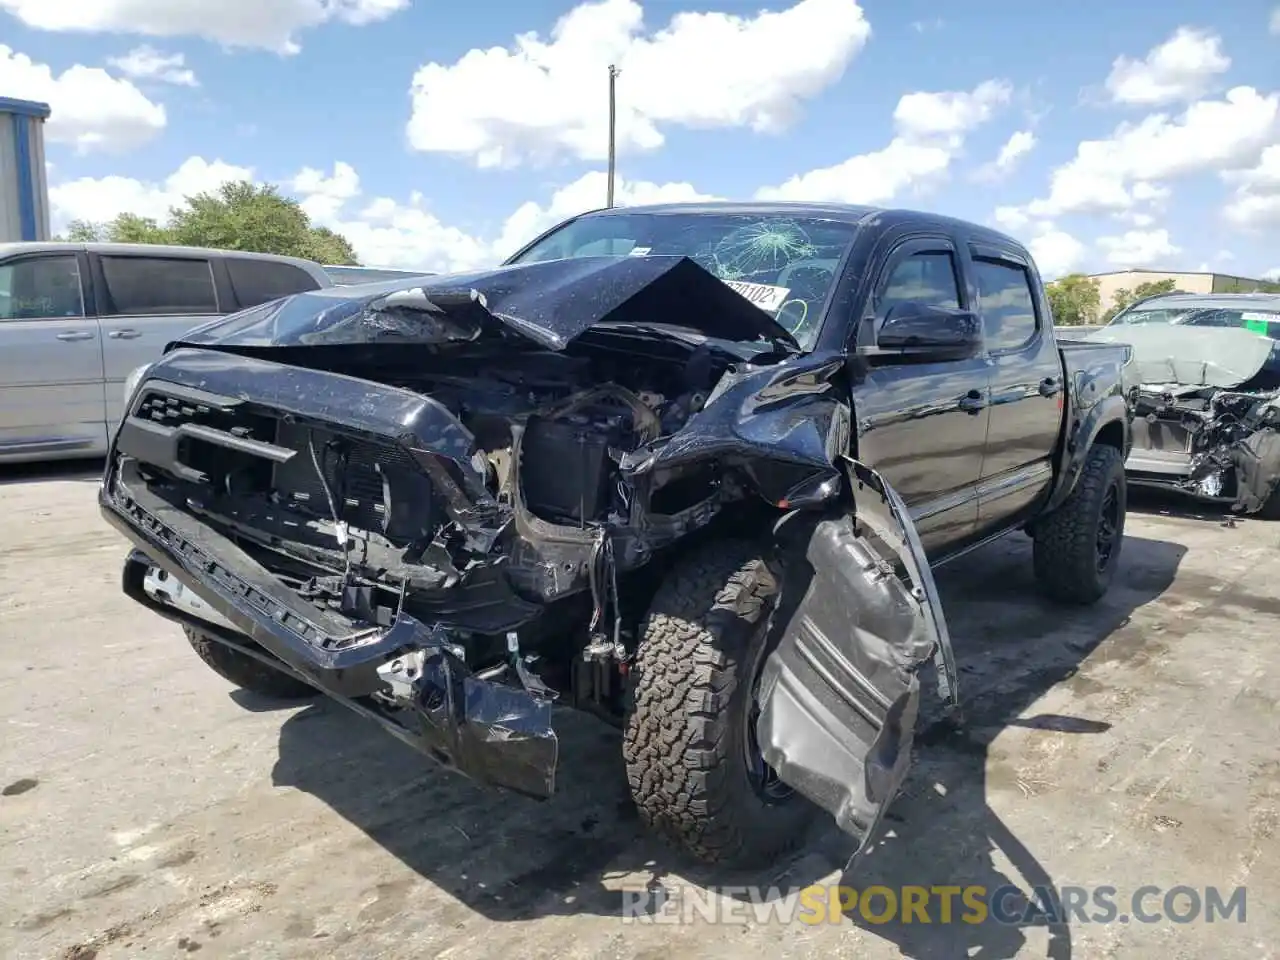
<point>1165,503</point>
<point>1012,648</point>
<point>87,470</point>
<point>514,859</point>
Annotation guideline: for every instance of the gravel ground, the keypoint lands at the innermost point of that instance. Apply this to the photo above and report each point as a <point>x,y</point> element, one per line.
<point>147,809</point>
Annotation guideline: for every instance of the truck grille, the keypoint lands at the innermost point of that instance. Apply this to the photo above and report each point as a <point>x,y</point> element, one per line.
<point>170,411</point>
<point>366,476</point>
<point>357,477</point>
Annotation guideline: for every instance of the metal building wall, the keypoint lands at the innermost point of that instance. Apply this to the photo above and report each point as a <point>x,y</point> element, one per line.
<point>24,190</point>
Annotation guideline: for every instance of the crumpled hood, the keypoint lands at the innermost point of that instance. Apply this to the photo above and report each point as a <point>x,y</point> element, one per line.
<point>1165,353</point>
<point>551,303</point>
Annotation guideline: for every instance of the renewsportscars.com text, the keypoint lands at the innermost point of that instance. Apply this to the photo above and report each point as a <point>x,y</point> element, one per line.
<point>971,904</point>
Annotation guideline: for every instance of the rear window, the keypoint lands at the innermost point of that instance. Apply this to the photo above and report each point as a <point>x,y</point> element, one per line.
<point>158,286</point>
<point>258,281</point>
<point>1263,322</point>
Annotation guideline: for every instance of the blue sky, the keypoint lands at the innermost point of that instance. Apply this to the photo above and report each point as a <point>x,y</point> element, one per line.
<point>452,155</point>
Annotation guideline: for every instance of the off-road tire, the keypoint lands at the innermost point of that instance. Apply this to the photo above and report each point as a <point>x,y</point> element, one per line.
<point>1066,541</point>
<point>1270,509</point>
<point>246,672</point>
<point>683,741</point>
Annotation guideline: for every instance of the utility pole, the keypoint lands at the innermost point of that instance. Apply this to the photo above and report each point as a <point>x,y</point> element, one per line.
<point>613,121</point>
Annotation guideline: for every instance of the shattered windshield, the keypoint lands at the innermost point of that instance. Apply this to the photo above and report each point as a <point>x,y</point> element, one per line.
<point>1263,322</point>
<point>786,265</point>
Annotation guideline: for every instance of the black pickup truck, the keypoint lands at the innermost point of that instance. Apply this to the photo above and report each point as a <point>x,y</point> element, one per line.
<point>685,466</point>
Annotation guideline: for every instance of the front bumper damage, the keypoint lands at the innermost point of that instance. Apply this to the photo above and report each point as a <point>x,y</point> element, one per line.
<point>1205,411</point>
<point>408,677</point>
<point>1216,444</point>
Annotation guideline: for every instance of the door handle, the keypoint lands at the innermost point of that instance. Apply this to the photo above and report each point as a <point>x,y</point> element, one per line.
<point>125,334</point>
<point>1048,386</point>
<point>973,402</point>
<point>75,335</point>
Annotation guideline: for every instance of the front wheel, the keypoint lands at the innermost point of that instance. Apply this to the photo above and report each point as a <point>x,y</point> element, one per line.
<point>1271,508</point>
<point>693,764</point>
<point>1077,546</point>
<point>245,671</point>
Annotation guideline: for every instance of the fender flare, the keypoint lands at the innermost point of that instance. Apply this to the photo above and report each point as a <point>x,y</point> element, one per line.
<point>1107,421</point>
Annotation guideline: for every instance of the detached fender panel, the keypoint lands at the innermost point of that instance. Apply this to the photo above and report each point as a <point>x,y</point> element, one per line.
<point>840,694</point>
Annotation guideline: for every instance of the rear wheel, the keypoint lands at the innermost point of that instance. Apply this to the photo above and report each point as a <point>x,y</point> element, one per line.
<point>245,671</point>
<point>1271,509</point>
<point>693,763</point>
<point>1077,546</point>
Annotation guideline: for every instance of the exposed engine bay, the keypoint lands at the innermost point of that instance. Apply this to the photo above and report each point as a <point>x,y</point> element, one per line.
<point>1205,411</point>
<point>1232,438</point>
<point>354,525</point>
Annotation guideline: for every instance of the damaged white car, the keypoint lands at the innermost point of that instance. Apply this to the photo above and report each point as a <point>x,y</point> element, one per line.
<point>1207,406</point>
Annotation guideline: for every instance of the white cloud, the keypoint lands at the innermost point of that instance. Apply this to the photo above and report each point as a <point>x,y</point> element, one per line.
<point>1011,153</point>
<point>1139,248</point>
<point>587,193</point>
<point>1256,201</point>
<point>99,199</point>
<point>91,109</point>
<point>148,63</point>
<point>930,130</point>
<point>1274,272</point>
<point>1056,253</point>
<point>1015,148</point>
<point>1011,218</point>
<point>385,232</point>
<point>1127,169</point>
<point>920,26</point>
<point>951,113</point>
<point>1274,24</point>
<point>1181,68</point>
<point>544,97</point>
<point>268,24</point>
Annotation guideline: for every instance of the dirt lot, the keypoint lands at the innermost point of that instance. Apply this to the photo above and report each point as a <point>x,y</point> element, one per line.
<point>146,809</point>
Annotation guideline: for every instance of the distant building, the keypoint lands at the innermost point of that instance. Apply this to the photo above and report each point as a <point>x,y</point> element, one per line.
<point>24,194</point>
<point>1109,283</point>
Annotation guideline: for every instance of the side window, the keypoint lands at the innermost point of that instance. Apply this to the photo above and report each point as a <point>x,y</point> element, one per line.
<point>257,281</point>
<point>158,286</point>
<point>41,287</point>
<point>1007,305</point>
<point>924,278</point>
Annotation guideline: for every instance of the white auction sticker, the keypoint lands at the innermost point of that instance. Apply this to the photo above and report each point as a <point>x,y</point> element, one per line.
<point>1254,315</point>
<point>763,295</point>
<point>639,251</point>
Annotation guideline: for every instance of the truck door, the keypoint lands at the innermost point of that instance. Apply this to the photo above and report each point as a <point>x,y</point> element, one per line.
<point>145,302</point>
<point>839,695</point>
<point>923,426</point>
<point>50,359</point>
<point>1026,386</point>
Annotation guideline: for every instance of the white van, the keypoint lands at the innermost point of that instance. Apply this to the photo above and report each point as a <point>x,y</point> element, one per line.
<point>77,318</point>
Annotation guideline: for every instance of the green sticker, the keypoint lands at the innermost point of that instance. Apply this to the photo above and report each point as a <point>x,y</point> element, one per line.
<point>1257,326</point>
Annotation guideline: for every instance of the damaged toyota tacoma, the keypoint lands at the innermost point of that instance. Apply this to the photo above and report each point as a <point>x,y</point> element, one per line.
<point>686,466</point>
<point>1207,401</point>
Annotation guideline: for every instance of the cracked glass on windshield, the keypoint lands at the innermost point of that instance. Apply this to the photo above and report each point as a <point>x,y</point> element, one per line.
<point>785,265</point>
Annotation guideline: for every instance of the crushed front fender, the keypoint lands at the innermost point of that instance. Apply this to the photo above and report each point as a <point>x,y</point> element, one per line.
<point>840,694</point>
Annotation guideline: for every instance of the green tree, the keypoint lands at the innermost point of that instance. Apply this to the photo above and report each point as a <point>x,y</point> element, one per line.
<point>237,216</point>
<point>1124,297</point>
<point>1074,299</point>
<point>241,215</point>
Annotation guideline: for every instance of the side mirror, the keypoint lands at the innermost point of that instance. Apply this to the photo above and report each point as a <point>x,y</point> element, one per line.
<point>921,329</point>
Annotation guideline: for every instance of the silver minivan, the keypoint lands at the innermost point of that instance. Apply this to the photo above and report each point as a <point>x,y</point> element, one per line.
<point>76,319</point>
